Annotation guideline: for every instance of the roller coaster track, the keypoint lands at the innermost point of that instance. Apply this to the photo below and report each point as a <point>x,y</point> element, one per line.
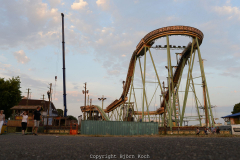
<point>96,108</point>
<point>148,41</point>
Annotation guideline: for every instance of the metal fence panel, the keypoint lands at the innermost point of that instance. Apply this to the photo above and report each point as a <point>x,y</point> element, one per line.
<point>90,127</point>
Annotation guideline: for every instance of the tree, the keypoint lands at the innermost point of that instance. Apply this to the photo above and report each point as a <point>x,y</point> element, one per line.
<point>236,108</point>
<point>60,112</point>
<point>70,117</point>
<point>10,94</point>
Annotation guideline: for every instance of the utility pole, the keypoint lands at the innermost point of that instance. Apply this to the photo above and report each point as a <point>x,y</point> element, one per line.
<point>49,93</point>
<point>160,107</point>
<point>28,94</point>
<point>91,113</point>
<point>42,100</point>
<point>88,101</point>
<point>102,99</point>
<point>43,96</point>
<point>64,75</point>
<point>85,92</point>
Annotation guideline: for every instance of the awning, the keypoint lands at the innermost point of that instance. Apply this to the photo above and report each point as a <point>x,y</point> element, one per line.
<point>25,107</point>
<point>232,115</point>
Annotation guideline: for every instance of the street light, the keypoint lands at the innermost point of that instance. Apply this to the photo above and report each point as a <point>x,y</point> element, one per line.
<point>102,99</point>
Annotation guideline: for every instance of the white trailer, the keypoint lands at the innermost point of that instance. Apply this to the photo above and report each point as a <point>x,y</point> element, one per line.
<point>235,129</point>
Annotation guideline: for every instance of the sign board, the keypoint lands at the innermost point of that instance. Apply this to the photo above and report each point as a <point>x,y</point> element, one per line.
<point>235,129</point>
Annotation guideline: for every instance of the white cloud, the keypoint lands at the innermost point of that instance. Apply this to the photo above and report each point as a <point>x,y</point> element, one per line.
<point>114,72</point>
<point>7,65</point>
<point>54,3</point>
<point>104,4</point>
<point>32,69</point>
<point>228,10</point>
<point>4,66</point>
<point>100,2</point>
<point>2,58</point>
<point>36,17</point>
<point>100,41</point>
<point>137,1</point>
<point>79,5</point>
<point>21,57</point>
<point>88,12</point>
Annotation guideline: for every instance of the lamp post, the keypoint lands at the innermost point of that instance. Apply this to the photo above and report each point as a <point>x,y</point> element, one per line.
<point>85,92</point>
<point>102,99</point>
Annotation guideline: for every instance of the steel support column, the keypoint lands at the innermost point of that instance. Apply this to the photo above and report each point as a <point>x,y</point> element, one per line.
<point>193,89</point>
<point>205,82</point>
<point>159,83</point>
<point>187,86</point>
<point>179,82</point>
<point>135,102</point>
<point>144,93</point>
<point>169,82</point>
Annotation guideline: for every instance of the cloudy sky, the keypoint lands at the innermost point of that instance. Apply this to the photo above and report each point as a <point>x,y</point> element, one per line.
<point>101,36</point>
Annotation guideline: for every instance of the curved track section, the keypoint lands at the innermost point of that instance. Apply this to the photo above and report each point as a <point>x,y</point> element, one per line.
<point>105,117</point>
<point>148,41</point>
<point>96,108</point>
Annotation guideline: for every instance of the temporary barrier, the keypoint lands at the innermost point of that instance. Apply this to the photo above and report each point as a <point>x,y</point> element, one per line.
<point>89,127</point>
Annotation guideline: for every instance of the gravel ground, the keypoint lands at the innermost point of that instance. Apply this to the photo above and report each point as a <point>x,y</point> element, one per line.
<point>15,146</point>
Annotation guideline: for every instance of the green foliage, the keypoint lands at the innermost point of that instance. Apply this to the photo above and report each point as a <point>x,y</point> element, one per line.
<point>60,112</point>
<point>71,117</point>
<point>236,108</point>
<point>10,94</point>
